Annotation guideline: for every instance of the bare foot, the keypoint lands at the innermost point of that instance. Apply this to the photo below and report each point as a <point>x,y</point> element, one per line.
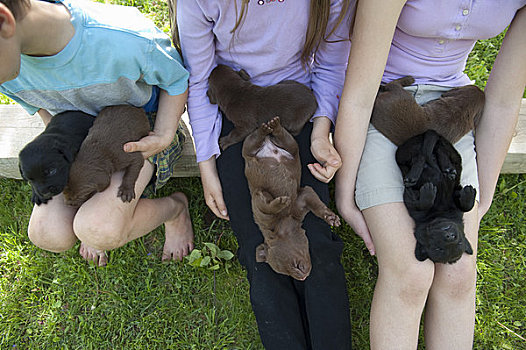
<point>179,240</point>
<point>98,257</point>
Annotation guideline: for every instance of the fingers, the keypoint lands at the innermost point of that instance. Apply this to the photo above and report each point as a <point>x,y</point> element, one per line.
<point>149,145</point>
<point>323,174</point>
<point>328,158</point>
<point>353,216</point>
<point>218,207</point>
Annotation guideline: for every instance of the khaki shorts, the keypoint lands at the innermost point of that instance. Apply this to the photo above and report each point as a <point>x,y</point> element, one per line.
<point>379,180</point>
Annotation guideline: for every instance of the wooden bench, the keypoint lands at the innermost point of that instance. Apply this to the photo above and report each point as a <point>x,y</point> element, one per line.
<point>17,128</point>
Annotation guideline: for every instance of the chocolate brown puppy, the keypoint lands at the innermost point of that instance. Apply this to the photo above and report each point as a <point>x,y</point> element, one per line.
<point>247,105</point>
<point>434,198</point>
<point>102,154</point>
<point>279,204</point>
<point>45,161</point>
<point>398,116</point>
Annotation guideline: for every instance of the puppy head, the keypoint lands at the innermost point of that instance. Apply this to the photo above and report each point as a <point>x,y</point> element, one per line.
<point>287,251</point>
<point>442,240</point>
<point>221,79</point>
<point>83,183</point>
<point>45,164</point>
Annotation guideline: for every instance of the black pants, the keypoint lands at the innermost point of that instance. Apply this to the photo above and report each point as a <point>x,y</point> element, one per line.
<point>290,314</point>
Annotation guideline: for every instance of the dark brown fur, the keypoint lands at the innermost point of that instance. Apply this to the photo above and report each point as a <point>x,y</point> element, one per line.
<point>102,154</point>
<point>397,115</point>
<point>247,105</point>
<point>279,204</point>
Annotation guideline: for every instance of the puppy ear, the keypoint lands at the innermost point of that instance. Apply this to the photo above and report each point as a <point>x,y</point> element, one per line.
<point>63,149</point>
<point>261,252</point>
<point>467,247</point>
<point>21,172</point>
<point>211,97</point>
<point>244,75</point>
<point>420,252</point>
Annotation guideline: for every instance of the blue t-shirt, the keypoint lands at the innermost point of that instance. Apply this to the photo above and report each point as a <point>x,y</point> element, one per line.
<point>116,56</point>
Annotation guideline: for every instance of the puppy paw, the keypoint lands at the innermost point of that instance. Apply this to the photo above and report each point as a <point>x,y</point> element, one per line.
<point>450,173</point>
<point>126,194</point>
<point>332,219</point>
<point>428,193</point>
<point>409,181</point>
<point>281,202</point>
<point>272,124</point>
<point>466,198</point>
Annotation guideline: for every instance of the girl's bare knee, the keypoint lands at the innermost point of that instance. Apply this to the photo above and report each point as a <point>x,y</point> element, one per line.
<point>412,283</point>
<point>456,280</point>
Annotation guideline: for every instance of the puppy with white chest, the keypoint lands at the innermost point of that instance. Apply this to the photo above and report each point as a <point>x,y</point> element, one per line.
<point>279,204</point>
<point>45,162</point>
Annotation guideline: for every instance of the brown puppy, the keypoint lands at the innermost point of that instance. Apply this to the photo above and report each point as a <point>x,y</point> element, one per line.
<point>247,105</point>
<point>273,171</point>
<point>397,115</point>
<point>102,154</point>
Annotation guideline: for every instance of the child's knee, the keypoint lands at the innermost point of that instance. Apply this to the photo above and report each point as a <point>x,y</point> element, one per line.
<point>54,239</point>
<point>103,232</point>
<point>411,282</point>
<point>457,280</point>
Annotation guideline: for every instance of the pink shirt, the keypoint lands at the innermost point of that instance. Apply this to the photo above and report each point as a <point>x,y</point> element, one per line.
<point>434,37</point>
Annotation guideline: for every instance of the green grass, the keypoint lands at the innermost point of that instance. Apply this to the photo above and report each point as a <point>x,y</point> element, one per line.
<point>58,301</point>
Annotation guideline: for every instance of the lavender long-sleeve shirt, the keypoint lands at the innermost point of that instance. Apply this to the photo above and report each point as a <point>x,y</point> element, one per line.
<point>433,38</point>
<point>267,45</point>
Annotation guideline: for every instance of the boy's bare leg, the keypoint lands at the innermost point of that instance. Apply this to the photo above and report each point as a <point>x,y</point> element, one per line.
<point>105,222</point>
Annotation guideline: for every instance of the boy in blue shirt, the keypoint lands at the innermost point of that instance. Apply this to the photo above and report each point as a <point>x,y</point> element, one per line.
<point>80,55</point>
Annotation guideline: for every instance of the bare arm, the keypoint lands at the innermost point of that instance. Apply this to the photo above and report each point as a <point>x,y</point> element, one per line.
<point>370,43</point>
<point>168,115</point>
<point>45,116</point>
<point>504,90</point>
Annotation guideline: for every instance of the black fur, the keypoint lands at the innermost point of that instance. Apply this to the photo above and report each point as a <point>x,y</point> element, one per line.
<point>431,168</point>
<point>45,161</point>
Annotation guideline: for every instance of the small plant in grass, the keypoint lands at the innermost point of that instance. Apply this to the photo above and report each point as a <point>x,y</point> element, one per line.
<point>210,257</point>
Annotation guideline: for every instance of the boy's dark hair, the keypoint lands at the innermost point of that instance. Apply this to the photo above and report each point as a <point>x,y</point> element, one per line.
<point>17,7</point>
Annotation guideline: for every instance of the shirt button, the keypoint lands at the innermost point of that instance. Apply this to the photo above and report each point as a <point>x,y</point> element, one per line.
<point>441,41</point>
<point>458,27</point>
<point>465,12</point>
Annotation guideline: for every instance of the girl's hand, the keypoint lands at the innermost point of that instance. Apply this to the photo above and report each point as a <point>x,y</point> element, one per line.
<point>148,145</point>
<point>350,212</point>
<point>323,150</point>
<point>328,158</point>
<point>212,190</point>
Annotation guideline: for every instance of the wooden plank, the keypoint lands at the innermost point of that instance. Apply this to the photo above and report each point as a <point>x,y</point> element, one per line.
<point>17,128</point>
<point>515,162</point>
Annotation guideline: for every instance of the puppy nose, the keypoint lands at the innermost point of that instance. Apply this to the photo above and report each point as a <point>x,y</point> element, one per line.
<point>450,236</point>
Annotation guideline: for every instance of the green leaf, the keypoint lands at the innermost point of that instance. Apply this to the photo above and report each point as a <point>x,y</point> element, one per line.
<point>194,255</point>
<point>213,249</point>
<point>214,267</point>
<point>225,254</point>
<point>205,261</point>
<point>196,262</point>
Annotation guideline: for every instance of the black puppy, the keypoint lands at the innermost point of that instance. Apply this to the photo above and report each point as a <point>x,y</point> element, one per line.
<point>436,201</point>
<point>45,161</point>
<point>248,105</point>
